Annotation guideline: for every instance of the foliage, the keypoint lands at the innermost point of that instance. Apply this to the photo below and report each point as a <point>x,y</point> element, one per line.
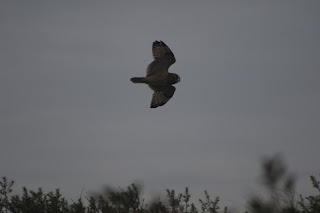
<point>282,196</point>
<point>280,187</point>
<point>111,201</point>
<point>311,203</point>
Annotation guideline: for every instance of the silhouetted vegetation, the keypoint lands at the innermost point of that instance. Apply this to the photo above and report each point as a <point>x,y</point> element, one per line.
<point>280,186</point>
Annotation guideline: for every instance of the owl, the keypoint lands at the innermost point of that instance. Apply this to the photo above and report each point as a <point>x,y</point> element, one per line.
<point>158,78</point>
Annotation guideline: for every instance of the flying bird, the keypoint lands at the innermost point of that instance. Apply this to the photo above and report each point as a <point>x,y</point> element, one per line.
<point>158,78</point>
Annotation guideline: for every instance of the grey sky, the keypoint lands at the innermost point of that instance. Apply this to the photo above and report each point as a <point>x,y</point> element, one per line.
<point>70,117</point>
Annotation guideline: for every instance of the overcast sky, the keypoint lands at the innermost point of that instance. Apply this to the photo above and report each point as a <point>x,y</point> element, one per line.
<point>71,118</point>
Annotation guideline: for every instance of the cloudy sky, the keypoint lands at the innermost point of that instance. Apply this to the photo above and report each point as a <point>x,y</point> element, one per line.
<point>70,117</point>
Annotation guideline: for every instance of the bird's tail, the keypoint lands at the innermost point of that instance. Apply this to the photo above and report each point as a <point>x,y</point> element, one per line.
<point>138,80</point>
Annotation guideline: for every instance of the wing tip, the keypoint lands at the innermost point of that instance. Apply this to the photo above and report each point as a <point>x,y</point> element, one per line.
<point>153,106</point>
<point>156,42</point>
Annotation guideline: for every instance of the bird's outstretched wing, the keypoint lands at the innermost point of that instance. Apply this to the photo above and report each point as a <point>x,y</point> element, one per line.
<point>163,58</point>
<point>160,51</point>
<point>161,97</point>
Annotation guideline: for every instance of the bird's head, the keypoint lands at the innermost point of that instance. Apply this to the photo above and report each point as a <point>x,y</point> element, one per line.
<point>173,78</point>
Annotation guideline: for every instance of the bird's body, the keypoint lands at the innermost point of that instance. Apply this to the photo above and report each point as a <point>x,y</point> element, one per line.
<point>158,78</point>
